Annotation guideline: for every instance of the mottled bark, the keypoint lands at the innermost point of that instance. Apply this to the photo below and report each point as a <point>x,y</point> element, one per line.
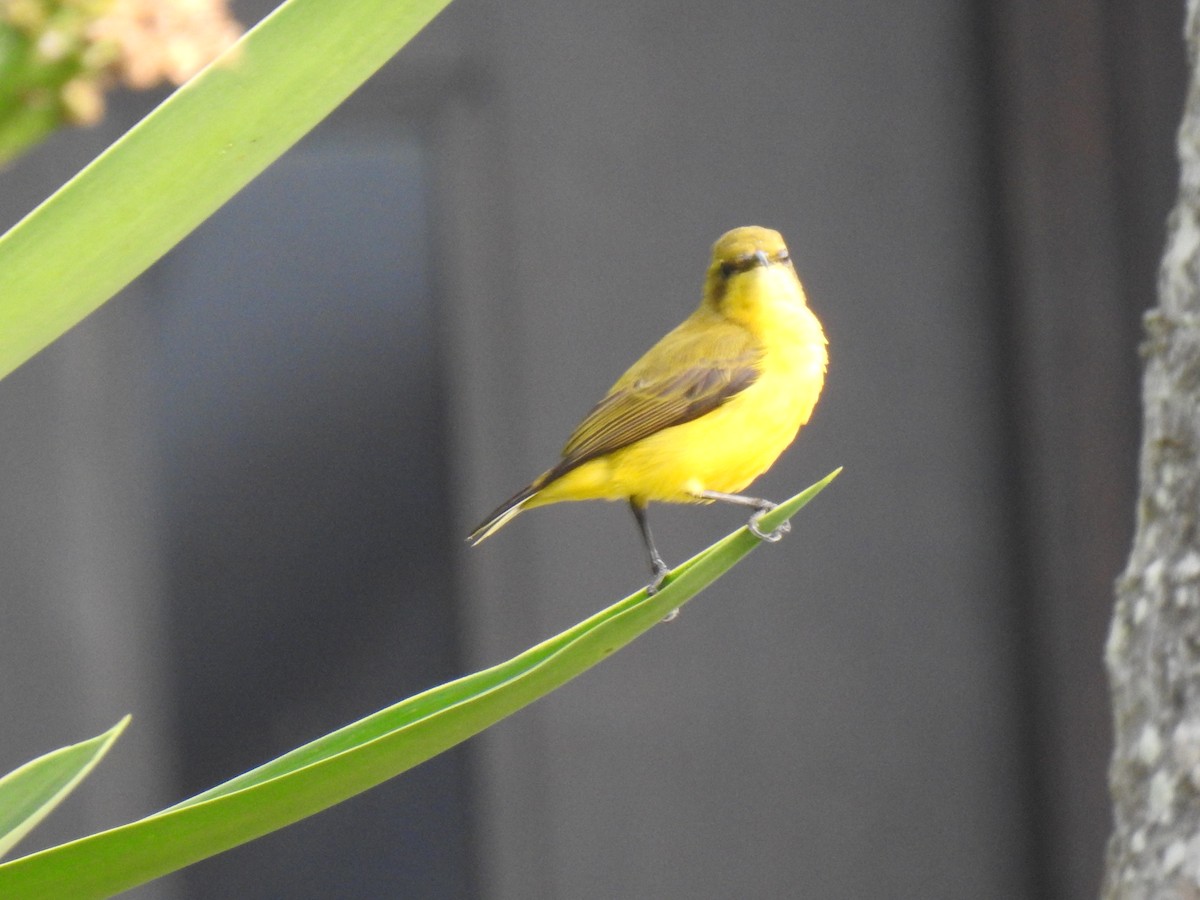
<point>1153,652</point>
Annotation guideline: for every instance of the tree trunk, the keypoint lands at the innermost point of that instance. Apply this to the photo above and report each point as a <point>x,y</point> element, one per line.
<point>1153,652</point>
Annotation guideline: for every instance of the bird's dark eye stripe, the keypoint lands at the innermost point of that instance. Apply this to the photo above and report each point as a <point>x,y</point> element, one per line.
<point>745,263</point>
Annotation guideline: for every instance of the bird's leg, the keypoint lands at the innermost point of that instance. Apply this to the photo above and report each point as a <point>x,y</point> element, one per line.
<point>657,566</point>
<point>763,507</point>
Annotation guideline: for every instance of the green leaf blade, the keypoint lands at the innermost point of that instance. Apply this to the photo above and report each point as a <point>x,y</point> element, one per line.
<point>365,753</point>
<point>30,793</point>
<point>182,162</point>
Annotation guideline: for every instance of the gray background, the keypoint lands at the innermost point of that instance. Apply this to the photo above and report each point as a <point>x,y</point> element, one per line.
<point>232,501</point>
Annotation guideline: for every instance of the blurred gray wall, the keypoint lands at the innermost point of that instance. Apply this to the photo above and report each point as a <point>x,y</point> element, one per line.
<point>895,701</point>
<point>837,718</point>
<point>81,595</point>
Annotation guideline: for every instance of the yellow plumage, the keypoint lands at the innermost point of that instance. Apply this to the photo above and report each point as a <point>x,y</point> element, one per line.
<point>708,408</point>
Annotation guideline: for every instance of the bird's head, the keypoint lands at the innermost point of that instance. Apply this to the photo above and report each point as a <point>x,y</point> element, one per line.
<point>750,263</point>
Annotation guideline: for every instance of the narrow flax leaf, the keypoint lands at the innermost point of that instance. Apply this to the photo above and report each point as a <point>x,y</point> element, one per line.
<point>28,794</point>
<point>365,753</point>
<point>175,168</point>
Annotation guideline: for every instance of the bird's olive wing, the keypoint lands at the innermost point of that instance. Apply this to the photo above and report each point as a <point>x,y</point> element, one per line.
<point>683,377</point>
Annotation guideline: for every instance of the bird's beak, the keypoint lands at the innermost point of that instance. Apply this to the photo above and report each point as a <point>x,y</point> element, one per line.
<point>761,256</point>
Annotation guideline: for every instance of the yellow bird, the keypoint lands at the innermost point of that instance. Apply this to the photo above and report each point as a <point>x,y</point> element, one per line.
<point>708,408</point>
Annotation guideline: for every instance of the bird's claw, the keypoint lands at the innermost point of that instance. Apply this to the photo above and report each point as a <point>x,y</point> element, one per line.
<point>660,576</point>
<point>652,588</point>
<point>770,537</point>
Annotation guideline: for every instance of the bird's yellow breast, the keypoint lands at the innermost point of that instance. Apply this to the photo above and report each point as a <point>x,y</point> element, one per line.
<point>728,447</point>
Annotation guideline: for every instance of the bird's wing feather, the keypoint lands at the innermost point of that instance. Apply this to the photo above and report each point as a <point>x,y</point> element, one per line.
<point>657,392</point>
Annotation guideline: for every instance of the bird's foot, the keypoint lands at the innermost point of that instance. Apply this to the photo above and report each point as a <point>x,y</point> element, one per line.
<point>769,536</point>
<point>660,576</point>
<point>661,571</point>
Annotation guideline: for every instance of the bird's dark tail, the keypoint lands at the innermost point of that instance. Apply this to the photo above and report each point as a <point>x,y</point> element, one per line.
<point>504,512</point>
